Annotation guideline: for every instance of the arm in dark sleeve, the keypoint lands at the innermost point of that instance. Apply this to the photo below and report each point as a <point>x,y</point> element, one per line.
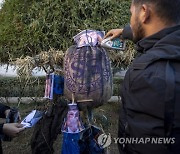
<point>1,128</point>
<point>3,108</point>
<point>127,33</point>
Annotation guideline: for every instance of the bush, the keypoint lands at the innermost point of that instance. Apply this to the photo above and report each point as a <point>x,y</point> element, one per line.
<point>28,27</point>
<point>13,87</point>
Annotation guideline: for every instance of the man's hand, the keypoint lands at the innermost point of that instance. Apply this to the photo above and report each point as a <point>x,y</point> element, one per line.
<point>12,129</point>
<point>114,33</point>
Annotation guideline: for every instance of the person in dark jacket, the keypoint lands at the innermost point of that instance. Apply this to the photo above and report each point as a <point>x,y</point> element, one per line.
<point>9,129</point>
<point>150,114</point>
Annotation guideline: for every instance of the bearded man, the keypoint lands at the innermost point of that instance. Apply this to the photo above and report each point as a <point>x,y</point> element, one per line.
<point>151,88</point>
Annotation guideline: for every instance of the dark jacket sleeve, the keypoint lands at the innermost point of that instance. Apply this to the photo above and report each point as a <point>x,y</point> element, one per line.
<point>127,33</point>
<point>3,108</point>
<point>1,128</point>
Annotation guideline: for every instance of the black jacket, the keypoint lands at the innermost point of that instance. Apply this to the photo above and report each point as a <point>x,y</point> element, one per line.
<point>3,108</point>
<point>151,94</point>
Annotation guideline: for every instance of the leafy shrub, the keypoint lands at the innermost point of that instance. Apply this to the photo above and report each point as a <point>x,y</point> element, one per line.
<point>28,27</point>
<point>13,87</point>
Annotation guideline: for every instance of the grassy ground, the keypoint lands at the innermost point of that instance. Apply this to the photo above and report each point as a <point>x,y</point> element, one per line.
<point>105,116</point>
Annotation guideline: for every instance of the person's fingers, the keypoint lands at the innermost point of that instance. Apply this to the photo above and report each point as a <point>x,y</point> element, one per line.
<point>108,34</point>
<point>99,39</point>
<point>21,129</point>
<point>113,33</point>
<point>18,131</point>
<point>20,125</point>
<point>112,37</point>
<point>15,124</point>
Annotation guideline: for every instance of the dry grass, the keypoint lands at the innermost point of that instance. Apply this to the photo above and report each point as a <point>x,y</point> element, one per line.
<point>50,60</point>
<point>122,58</point>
